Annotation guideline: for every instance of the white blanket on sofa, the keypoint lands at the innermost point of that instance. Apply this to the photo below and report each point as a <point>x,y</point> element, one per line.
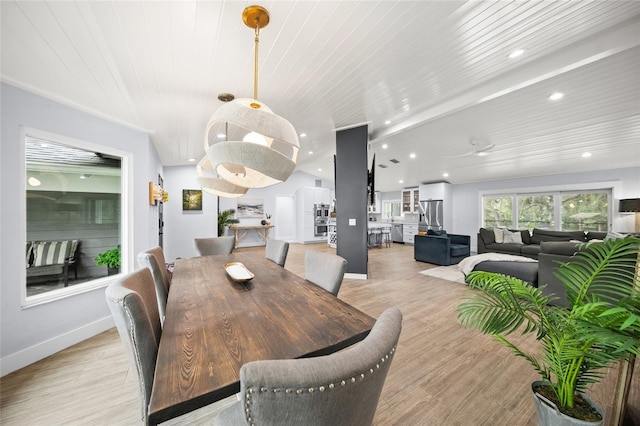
<point>467,264</point>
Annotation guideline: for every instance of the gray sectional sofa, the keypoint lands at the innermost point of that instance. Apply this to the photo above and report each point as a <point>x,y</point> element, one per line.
<point>552,255</point>
<point>531,242</point>
<point>550,248</point>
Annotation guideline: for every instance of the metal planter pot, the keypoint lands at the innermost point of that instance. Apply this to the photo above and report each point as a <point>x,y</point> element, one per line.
<point>549,415</point>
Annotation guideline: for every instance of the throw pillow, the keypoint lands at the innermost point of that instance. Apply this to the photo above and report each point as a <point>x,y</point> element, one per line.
<point>50,253</point>
<point>612,235</point>
<point>499,234</point>
<point>512,237</point>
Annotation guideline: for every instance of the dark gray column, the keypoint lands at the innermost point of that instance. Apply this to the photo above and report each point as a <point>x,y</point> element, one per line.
<point>351,197</point>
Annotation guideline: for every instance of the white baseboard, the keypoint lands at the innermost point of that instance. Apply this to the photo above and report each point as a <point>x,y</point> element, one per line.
<point>355,276</point>
<point>18,360</point>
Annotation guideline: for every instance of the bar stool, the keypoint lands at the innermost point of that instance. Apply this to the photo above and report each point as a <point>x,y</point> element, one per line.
<point>375,237</point>
<point>386,236</point>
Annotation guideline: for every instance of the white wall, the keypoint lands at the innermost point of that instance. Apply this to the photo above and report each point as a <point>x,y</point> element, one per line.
<point>467,202</point>
<point>182,227</point>
<point>30,334</point>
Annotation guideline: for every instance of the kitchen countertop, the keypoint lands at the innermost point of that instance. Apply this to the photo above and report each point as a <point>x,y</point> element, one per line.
<point>372,224</point>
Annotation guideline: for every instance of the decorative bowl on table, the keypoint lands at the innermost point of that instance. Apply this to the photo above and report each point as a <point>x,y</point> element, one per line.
<point>238,272</point>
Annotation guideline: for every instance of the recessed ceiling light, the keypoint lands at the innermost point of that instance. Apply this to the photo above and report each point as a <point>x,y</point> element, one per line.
<point>387,122</point>
<point>385,146</point>
<point>555,96</point>
<point>310,152</point>
<point>516,53</point>
<point>34,181</point>
<point>482,153</point>
<point>586,154</point>
<point>412,155</point>
<point>191,160</point>
<point>303,135</point>
<point>445,174</point>
<point>319,170</point>
<point>221,135</point>
<point>400,181</point>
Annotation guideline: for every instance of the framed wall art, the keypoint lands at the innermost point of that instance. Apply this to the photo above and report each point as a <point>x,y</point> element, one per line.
<point>250,207</point>
<point>191,199</point>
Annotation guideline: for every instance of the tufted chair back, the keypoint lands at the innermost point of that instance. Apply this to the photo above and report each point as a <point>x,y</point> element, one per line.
<point>325,270</point>
<point>276,251</point>
<point>132,301</point>
<point>154,260</point>
<point>338,389</point>
<point>216,245</point>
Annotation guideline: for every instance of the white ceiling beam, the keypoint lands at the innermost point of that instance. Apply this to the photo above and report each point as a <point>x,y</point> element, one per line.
<point>587,51</point>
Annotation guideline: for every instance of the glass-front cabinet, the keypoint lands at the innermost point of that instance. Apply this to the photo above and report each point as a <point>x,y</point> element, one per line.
<point>410,200</point>
<point>406,201</point>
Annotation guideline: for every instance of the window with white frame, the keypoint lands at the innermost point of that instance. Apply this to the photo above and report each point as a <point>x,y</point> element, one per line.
<point>73,214</point>
<point>586,210</point>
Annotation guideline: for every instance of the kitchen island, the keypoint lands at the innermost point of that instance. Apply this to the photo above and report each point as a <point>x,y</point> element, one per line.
<point>377,232</point>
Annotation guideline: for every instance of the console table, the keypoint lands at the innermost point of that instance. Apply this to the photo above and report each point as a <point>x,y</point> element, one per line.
<point>240,231</point>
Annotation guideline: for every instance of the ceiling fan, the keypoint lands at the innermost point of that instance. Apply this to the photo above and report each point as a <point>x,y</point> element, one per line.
<point>478,148</point>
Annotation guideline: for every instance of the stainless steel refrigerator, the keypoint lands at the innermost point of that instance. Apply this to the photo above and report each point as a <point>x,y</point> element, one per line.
<point>431,215</point>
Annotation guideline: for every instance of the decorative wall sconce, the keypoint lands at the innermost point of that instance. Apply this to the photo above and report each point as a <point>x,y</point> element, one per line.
<point>156,193</point>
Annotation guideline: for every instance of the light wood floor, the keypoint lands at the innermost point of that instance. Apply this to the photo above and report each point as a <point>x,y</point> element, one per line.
<point>442,374</point>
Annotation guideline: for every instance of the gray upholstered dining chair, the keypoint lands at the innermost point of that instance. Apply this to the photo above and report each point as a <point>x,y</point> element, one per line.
<point>338,389</point>
<point>132,301</point>
<point>154,260</point>
<point>276,251</point>
<point>325,270</point>
<point>218,245</point>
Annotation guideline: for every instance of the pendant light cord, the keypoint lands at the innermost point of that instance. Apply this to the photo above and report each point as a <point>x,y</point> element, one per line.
<point>255,62</point>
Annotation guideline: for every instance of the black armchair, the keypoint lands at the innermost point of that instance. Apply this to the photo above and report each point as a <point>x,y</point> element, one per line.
<point>445,249</point>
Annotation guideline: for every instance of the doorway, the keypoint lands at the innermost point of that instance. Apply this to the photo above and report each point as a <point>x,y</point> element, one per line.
<point>285,218</point>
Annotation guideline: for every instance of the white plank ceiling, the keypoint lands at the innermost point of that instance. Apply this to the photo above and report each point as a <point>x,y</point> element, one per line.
<point>436,71</point>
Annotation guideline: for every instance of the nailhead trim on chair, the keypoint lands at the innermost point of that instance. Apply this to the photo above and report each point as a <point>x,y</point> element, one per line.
<point>321,388</point>
<point>138,362</point>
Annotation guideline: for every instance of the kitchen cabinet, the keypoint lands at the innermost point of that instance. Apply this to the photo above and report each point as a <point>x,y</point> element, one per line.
<point>434,191</point>
<point>409,230</point>
<point>306,198</point>
<point>410,200</point>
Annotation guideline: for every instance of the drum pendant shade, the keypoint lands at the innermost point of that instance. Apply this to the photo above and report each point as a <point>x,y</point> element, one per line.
<point>213,184</point>
<point>249,164</point>
<point>260,148</point>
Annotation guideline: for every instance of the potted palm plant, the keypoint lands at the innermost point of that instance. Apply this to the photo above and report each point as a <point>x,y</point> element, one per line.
<point>225,218</point>
<point>577,344</point>
<point>111,259</point>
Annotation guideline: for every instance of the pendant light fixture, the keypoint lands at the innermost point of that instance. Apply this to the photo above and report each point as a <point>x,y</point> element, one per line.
<point>260,148</point>
<point>207,178</point>
<point>212,184</point>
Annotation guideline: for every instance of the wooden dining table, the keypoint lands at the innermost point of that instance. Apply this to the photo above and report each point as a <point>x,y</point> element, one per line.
<point>214,325</point>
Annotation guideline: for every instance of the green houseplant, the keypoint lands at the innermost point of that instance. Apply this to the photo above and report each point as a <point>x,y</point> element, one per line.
<point>225,218</point>
<point>601,326</point>
<point>111,259</point>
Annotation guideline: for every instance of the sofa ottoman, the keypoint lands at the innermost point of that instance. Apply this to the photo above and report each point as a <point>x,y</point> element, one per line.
<point>526,271</point>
